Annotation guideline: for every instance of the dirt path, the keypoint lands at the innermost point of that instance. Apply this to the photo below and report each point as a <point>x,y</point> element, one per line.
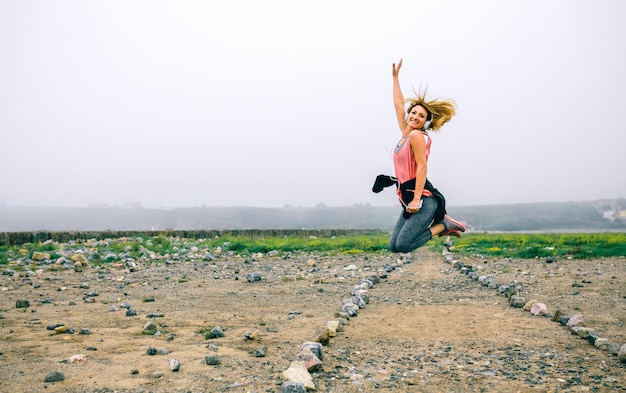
<point>430,328</point>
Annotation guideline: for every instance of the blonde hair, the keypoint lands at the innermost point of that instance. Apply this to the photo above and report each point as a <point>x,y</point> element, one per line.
<point>440,110</point>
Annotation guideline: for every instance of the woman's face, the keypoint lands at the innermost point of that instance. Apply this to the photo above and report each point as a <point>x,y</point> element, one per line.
<point>417,117</point>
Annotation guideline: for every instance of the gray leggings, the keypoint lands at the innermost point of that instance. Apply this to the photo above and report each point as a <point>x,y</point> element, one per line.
<point>414,232</point>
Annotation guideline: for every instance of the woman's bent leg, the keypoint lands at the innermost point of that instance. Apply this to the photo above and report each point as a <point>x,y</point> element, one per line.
<point>414,232</point>
<point>396,231</point>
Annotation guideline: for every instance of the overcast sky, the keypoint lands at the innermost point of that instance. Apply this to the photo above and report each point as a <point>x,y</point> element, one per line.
<point>280,102</point>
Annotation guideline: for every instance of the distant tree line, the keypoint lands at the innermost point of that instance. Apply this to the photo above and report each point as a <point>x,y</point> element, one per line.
<point>556,216</point>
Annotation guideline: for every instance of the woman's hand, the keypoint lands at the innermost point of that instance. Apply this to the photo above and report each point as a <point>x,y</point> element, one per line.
<point>414,206</point>
<point>398,97</point>
<point>396,69</point>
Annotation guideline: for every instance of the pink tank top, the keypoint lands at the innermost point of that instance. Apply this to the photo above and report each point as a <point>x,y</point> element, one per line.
<point>404,161</point>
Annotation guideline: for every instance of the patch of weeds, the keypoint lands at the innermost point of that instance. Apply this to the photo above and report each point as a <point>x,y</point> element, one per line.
<point>4,255</point>
<point>152,332</point>
<point>160,245</point>
<point>45,247</point>
<point>111,258</point>
<point>203,331</point>
<point>208,333</point>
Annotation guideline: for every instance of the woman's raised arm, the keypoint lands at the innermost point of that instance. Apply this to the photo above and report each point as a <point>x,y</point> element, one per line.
<point>398,97</point>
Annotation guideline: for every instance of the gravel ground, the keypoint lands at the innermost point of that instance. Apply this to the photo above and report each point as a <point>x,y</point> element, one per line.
<point>429,326</point>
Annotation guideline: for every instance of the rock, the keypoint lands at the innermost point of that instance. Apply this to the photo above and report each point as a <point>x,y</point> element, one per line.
<point>315,347</point>
<point>215,333</point>
<point>260,352</point>
<point>22,304</point>
<point>292,314</point>
<point>592,337</point>
<point>488,281</point>
<point>563,319</point>
<point>292,387</point>
<point>581,331</point>
<point>529,304</point>
<point>350,308</point>
<point>54,376</point>
<point>91,294</point>
<point>509,290</point>
<point>149,328</point>
<point>78,358</point>
<point>298,373</point>
<point>254,336</point>
<point>212,360</point>
<point>539,309</point>
<point>157,351</point>
<point>368,282</point>
<point>334,327</point>
<point>253,277</point>
<point>602,343</point>
<point>40,256</point>
<point>575,320</point>
<point>517,301</point>
<point>174,365</point>
<point>79,258</point>
<point>322,335</point>
<point>359,301</point>
<point>614,348</point>
<point>621,355</point>
<point>375,279</point>
<point>310,360</point>
<point>342,315</point>
<point>62,329</point>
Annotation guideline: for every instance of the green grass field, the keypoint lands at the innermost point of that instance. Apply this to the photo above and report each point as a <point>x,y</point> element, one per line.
<point>526,246</point>
<point>502,245</point>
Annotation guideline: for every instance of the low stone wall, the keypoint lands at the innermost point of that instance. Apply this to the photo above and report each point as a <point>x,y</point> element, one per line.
<point>16,238</point>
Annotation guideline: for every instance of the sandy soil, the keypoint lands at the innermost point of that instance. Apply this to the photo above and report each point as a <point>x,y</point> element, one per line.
<point>427,328</point>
